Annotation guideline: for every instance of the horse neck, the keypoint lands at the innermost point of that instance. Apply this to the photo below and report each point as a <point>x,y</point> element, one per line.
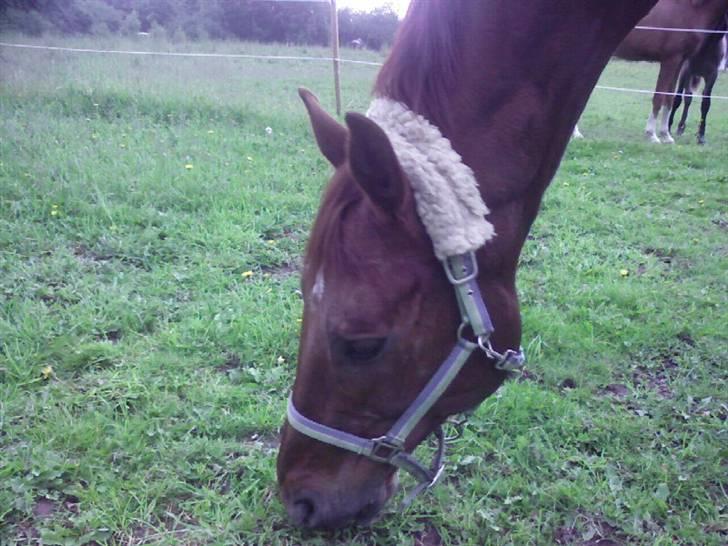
<point>508,112</point>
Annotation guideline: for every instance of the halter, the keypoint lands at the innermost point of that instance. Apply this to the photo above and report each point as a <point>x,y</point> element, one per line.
<point>462,272</point>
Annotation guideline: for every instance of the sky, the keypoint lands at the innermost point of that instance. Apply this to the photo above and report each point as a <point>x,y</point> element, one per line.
<point>400,6</point>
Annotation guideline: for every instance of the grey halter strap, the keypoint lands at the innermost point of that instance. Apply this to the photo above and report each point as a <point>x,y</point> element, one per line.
<point>462,272</point>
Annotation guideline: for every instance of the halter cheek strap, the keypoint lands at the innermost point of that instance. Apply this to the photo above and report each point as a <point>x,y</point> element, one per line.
<point>462,272</point>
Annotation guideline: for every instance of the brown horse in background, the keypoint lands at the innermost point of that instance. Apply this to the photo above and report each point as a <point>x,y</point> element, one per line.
<point>669,48</point>
<point>703,65</point>
<point>505,82</point>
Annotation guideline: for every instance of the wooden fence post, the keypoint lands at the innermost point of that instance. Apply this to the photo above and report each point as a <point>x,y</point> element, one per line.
<point>335,47</point>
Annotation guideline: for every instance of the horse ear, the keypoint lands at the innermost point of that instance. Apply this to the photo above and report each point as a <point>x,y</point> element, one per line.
<point>330,134</point>
<point>373,163</point>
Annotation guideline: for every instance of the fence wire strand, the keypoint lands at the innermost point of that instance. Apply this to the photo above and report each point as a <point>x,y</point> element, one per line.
<point>296,58</point>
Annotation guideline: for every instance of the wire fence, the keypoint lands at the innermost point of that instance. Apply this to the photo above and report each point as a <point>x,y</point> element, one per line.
<point>294,58</point>
<point>671,29</point>
<point>188,54</point>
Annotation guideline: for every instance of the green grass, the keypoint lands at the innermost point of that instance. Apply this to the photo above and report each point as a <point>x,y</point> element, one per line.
<point>144,371</point>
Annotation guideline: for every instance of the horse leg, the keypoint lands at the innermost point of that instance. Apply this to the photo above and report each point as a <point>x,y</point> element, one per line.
<point>676,104</point>
<point>705,104</point>
<point>652,120</point>
<point>688,102</point>
<point>666,83</point>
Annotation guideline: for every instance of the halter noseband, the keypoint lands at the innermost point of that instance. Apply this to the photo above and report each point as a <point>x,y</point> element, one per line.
<point>462,272</point>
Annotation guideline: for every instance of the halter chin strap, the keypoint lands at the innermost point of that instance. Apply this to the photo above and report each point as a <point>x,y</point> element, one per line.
<point>462,272</point>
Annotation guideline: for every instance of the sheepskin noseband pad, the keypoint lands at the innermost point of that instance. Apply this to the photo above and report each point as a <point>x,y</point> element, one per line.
<point>446,192</point>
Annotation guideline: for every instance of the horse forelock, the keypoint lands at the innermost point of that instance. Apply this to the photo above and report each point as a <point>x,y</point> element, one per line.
<point>324,244</point>
<point>348,228</point>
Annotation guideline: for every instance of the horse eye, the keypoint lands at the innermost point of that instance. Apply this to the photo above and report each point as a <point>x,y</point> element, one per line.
<point>361,350</point>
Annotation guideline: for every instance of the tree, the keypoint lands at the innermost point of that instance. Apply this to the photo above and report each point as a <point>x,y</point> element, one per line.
<point>256,20</point>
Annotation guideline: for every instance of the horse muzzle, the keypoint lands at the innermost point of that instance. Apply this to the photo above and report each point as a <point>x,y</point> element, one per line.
<point>320,509</point>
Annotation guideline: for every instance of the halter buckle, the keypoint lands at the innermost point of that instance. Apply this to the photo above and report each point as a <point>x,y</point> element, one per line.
<point>469,264</point>
<point>384,449</point>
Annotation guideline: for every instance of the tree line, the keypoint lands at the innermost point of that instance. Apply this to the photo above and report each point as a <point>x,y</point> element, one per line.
<point>255,20</point>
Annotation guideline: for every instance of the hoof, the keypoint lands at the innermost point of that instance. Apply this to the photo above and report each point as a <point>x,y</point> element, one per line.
<point>666,138</point>
<point>701,140</point>
<point>680,130</point>
<point>652,137</point>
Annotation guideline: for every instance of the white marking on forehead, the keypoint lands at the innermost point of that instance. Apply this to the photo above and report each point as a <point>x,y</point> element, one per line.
<point>318,286</point>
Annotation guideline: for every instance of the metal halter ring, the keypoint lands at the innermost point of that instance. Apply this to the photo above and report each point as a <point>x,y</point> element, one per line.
<point>509,360</point>
<point>462,338</point>
<point>385,449</point>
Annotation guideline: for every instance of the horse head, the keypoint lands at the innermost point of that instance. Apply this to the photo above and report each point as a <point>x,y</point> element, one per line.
<point>379,318</point>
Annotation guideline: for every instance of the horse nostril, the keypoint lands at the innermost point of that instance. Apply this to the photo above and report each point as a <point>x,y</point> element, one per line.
<point>302,511</point>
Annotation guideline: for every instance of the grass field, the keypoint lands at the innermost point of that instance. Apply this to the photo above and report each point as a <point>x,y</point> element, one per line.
<point>151,227</point>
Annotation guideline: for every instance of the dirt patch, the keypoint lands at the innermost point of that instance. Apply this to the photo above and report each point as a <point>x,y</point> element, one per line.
<point>173,527</point>
<point>91,258</point>
<point>45,508</point>
<point>428,537</point>
<point>268,441</point>
<point>527,376</point>
<point>721,223</point>
<point>655,375</point>
<point>666,256</point>
<point>643,378</point>
<point>656,379</point>
<point>84,254</point>
<point>232,362</point>
<point>112,336</point>
<point>617,390</point>
<point>282,271</point>
<point>595,532</point>
<point>686,338</point>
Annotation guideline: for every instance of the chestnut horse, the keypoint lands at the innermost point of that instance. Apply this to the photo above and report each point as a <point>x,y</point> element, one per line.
<point>671,49</point>
<point>704,64</point>
<point>503,85</point>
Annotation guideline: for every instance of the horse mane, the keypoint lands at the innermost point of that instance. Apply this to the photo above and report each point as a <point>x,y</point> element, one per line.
<point>422,67</point>
<point>420,72</point>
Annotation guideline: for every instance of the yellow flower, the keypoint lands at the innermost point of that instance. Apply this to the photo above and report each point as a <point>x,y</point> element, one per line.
<point>188,166</point>
<point>280,360</point>
<point>249,158</point>
<point>247,274</point>
<point>701,201</point>
<point>624,272</point>
<point>47,372</point>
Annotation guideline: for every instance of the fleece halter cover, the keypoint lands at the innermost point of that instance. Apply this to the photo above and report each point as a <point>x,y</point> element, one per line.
<point>446,193</point>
